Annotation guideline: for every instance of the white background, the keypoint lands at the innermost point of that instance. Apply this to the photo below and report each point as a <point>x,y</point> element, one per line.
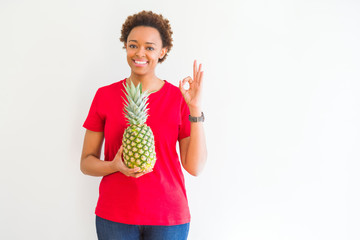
<point>281,100</point>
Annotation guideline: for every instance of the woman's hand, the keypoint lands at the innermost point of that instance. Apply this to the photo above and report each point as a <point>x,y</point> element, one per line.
<point>192,96</point>
<point>120,166</point>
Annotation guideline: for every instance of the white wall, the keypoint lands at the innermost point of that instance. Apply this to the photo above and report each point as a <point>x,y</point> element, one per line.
<point>281,101</point>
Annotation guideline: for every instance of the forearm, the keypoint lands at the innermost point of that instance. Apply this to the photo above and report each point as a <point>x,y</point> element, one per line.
<point>197,153</point>
<point>93,166</point>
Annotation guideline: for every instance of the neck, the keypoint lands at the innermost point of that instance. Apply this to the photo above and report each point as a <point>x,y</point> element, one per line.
<point>149,83</point>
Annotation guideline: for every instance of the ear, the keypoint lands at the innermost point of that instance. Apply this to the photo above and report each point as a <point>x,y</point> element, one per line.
<point>163,52</point>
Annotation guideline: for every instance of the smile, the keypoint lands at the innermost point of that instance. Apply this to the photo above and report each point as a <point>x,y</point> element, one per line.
<point>140,63</point>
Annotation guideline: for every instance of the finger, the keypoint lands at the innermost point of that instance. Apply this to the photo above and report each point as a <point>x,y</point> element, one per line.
<point>132,173</point>
<point>200,81</point>
<point>126,170</point>
<point>181,87</point>
<point>121,150</point>
<point>189,80</point>
<point>182,83</point>
<point>194,69</point>
<point>136,175</point>
<point>134,170</point>
<point>198,74</point>
<point>148,171</point>
<point>139,174</point>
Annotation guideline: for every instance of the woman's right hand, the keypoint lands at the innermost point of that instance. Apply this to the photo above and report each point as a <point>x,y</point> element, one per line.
<point>119,165</point>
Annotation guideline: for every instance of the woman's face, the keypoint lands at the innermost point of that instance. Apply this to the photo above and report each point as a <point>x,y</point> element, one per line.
<point>144,48</point>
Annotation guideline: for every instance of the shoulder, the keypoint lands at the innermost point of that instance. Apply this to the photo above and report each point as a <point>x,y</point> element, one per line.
<point>110,89</point>
<point>112,86</point>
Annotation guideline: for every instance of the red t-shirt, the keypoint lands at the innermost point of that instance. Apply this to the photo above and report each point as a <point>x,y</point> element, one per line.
<point>156,198</point>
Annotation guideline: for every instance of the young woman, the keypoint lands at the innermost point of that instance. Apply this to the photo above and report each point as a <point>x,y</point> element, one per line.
<point>146,205</point>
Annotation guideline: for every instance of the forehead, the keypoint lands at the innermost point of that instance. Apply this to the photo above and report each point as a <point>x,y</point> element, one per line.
<point>144,34</point>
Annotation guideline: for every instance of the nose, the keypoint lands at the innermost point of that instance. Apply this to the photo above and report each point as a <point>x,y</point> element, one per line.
<point>140,52</point>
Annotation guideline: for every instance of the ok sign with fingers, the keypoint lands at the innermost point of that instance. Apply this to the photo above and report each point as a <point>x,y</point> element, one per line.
<point>192,95</point>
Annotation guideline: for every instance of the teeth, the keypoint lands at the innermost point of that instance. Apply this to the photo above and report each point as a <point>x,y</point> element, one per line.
<point>137,62</point>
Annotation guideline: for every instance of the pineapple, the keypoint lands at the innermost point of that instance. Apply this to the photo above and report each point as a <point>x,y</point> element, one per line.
<point>138,139</point>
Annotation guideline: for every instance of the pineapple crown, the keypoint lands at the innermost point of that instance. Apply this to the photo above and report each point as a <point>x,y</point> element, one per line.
<point>135,106</point>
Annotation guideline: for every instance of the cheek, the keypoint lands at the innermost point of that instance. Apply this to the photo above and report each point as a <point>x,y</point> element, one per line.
<point>155,55</point>
<point>128,57</point>
<point>131,51</point>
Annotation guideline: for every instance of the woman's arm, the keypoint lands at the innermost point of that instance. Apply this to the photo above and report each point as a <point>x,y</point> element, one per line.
<point>90,158</point>
<point>193,152</point>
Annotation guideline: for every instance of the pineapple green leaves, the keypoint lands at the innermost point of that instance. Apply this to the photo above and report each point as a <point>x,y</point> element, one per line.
<point>136,104</point>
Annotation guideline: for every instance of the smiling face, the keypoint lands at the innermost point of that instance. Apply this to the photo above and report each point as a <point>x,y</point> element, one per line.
<point>144,48</point>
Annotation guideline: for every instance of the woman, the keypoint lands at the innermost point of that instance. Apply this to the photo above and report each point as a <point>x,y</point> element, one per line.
<point>145,205</point>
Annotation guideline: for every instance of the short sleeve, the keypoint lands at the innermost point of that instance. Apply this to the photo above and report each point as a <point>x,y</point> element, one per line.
<point>95,121</point>
<point>184,127</point>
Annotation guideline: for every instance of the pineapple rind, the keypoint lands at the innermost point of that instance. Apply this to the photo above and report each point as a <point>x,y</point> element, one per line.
<point>136,156</point>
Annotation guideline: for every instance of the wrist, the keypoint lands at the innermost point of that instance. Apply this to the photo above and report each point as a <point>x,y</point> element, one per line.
<point>195,119</point>
<point>195,111</point>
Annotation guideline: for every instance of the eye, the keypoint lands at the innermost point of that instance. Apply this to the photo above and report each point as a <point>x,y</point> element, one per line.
<point>150,48</point>
<point>132,46</point>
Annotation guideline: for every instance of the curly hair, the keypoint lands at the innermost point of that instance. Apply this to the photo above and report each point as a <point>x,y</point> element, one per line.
<point>149,19</point>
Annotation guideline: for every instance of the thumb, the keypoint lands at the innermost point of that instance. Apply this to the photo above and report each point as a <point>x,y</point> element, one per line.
<point>181,86</point>
<point>119,153</point>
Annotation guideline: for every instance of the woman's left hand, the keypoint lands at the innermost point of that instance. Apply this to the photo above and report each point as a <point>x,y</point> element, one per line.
<point>192,96</point>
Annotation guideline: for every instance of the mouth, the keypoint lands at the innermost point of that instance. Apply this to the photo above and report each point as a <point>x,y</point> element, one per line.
<point>139,63</point>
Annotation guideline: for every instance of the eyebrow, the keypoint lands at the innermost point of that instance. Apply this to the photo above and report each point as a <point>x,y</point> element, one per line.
<point>137,41</point>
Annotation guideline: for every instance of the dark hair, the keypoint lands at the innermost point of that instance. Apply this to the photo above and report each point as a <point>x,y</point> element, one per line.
<point>149,19</point>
